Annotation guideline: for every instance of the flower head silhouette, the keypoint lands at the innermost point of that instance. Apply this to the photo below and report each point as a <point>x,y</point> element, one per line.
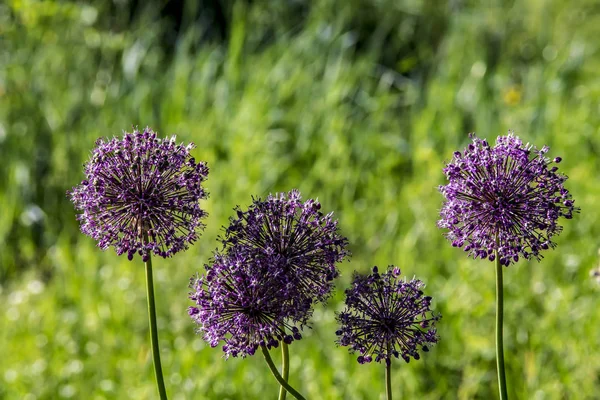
<point>246,302</point>
<point>141,195</point>
<point>296,236</point>
<point>386,317</point>
<point>505,198</point>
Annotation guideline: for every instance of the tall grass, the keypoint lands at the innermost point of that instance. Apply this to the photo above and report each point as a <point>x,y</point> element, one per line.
<point>358,103</point>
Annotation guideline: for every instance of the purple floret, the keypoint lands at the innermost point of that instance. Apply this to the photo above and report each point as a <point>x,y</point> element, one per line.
<point>141,195</point>
<point>246,302</point>
<point>295,236</point>
<point>505,199</point>
<point>386,317</point>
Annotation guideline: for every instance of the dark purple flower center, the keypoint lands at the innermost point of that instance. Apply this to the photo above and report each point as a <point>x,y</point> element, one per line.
<point>389,323</point>
<point>252,311</point>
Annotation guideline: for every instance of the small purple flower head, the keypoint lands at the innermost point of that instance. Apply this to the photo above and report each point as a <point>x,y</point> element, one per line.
<point>386,316</point>
<point>595,272</point>
<point>296,236</point>
<point>246,302</point>
<point>505,199</point>
<point>141,195</point>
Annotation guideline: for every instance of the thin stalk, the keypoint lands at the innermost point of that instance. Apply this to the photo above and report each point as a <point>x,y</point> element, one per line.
<point>499,328</point>
<point>153,328</point>
<point>388,379</point>
<point>277,376</point>
<point>285,368</point>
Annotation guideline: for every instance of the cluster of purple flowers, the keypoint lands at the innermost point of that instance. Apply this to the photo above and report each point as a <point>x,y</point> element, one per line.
<point>504,200</point>
<point>245,301</point>
<point>279,257</point>
<point>278,260</point>
<point>141,195</point>
<point>387,316</point>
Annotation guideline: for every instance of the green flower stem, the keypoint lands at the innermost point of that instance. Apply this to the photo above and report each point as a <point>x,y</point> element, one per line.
<point>153,329</point>
<point>499,327</point>
<point>388,379</point>
<point>285,368</point>
<point>277,376</point>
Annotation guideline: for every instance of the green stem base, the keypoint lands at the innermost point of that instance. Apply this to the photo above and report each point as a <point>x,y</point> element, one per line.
<point>154,331</point>
<point>285,368</point>
<point>388,379</point>
<point>499,330</point>
<point>276,374</point>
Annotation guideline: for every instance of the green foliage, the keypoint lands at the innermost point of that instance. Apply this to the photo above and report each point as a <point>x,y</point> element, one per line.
<point>355,102</point>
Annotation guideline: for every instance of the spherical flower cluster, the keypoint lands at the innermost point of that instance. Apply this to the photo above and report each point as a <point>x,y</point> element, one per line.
<point>278,260</point>
<point>296,236</point>
<point>505,199</point>
<point>246,302</point>
<point>141,195</point>
<point>386,316</point>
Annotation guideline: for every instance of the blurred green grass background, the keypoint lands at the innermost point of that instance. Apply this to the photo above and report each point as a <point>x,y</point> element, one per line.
<point>356,102</point>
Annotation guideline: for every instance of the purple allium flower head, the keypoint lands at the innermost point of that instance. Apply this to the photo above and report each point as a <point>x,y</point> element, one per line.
<point>506,198</point>
<point>246,302</point>
<point>296,236</point>
<point>386,316</point>
<point>141,195</point>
